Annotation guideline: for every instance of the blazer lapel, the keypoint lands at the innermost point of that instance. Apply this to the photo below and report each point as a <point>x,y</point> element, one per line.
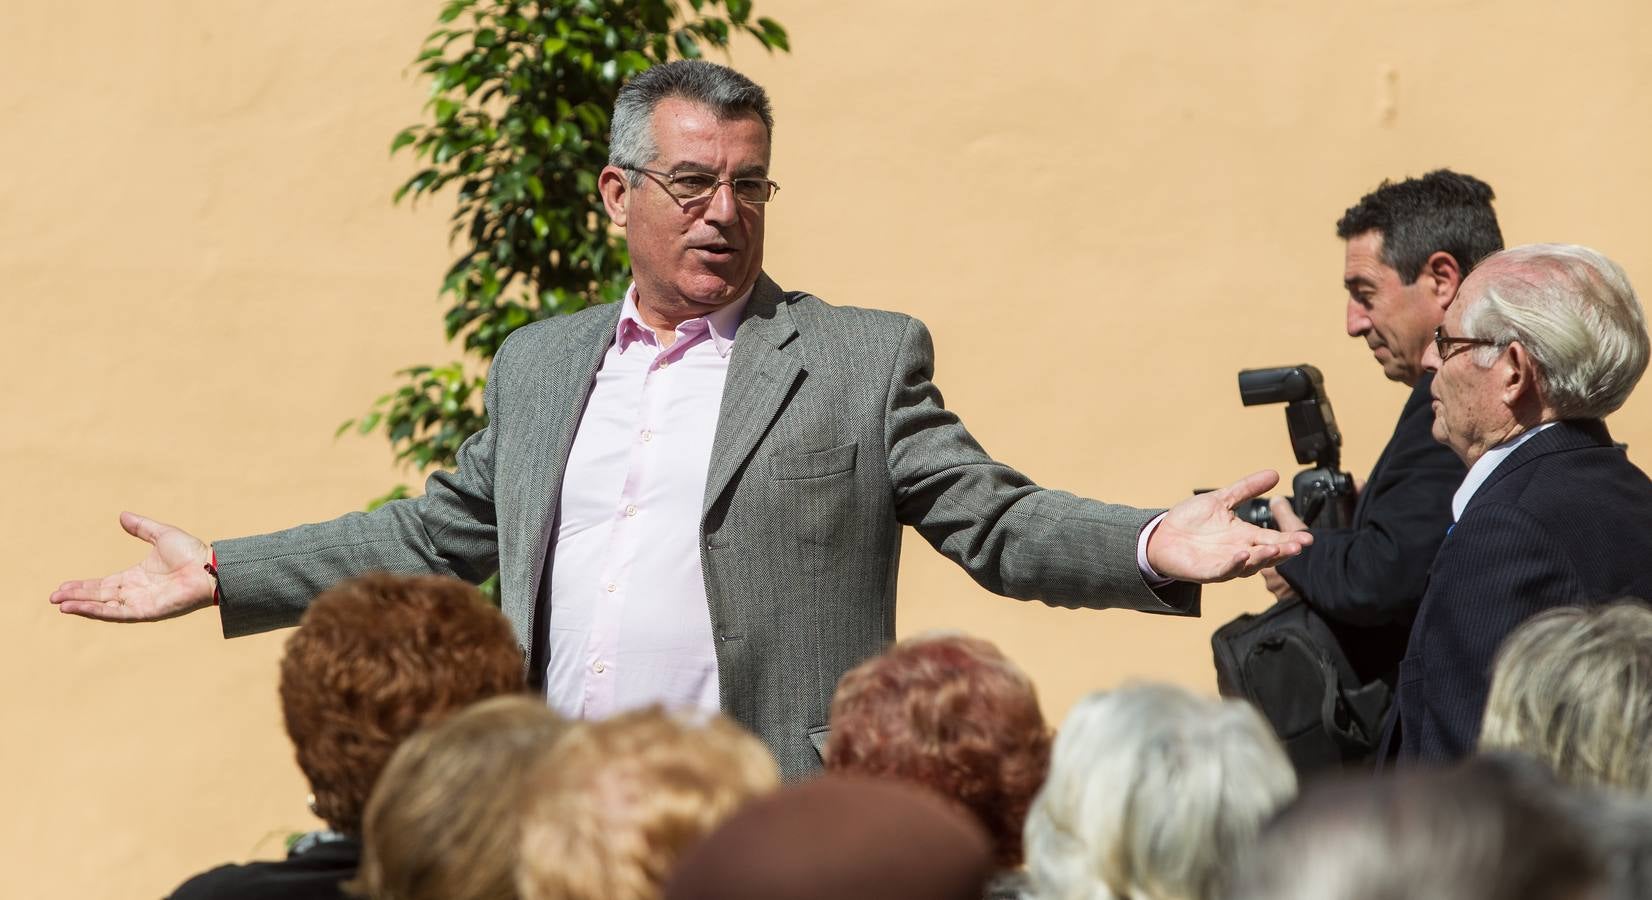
<point>764,366</point>
<point>567,367</point>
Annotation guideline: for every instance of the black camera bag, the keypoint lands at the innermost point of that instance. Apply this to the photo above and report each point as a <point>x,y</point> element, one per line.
<point>1288,663</point>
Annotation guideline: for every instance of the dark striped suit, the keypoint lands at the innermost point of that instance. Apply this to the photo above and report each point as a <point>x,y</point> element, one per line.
<point>1566,519</point>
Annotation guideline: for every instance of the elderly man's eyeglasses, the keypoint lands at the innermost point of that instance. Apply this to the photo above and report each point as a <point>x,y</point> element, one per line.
<point>1443,343</point>
<point>687,187</point>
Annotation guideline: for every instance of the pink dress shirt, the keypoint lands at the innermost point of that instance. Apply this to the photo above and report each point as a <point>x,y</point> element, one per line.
<point>629,623</point>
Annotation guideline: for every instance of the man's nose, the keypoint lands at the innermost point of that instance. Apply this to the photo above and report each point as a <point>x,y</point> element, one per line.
<point>1358,321</point>
<point>1431,357</point>
<point>722,207</point>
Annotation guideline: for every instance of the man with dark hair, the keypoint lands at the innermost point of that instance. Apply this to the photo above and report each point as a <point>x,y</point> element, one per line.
<point>695,496</point>
<point>1409,245</point>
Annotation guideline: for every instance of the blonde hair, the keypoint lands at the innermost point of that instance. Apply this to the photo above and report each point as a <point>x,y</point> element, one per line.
<point>1153,794</point>
<point>441,824</point>
<point>609,811</point>
<point>1573,687</point>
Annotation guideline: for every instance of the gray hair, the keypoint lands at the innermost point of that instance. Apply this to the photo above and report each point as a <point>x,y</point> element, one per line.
<point>719,88</point>
<point>1573,687</point>
<point>1574,310</point>
<point>1495,828</point>
<point>1153,793</point>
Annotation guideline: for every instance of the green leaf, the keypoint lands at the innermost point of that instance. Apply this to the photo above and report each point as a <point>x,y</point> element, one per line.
<point>403,138</point>
<point>453,10</point>
<point>738,10</point>
<point>776,36</point>
<point>686,45</point>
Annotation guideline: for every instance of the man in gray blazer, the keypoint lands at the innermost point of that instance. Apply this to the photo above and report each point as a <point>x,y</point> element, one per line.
<point>696,496</point>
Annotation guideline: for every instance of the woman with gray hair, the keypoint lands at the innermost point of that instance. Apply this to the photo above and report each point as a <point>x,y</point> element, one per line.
<point>1152,794</point>
<point>1573,687</point>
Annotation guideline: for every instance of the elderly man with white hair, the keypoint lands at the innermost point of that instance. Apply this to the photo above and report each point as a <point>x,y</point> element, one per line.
<point>1542,343</point>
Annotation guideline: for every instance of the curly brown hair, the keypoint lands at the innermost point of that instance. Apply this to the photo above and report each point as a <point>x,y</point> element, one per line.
<point>374,659</point>
<point>953,713</point>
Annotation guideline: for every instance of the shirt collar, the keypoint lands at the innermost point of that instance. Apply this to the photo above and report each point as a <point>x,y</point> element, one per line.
<point>1484,466</point>
<point>722,322</point>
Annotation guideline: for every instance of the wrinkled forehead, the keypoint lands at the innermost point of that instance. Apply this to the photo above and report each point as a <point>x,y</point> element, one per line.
<point>678,121</point>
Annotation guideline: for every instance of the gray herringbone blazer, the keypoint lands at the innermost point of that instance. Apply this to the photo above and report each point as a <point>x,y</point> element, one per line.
<point>830,438</point>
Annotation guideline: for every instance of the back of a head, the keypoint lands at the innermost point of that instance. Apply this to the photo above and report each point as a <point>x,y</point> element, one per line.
<point>840,836</point>
<point>1152,794</point>
<point>1443,211</point>
<point>1483,831</point>
<point>441,824</point>
<point>952,713</point>
<point>1574,311</point>
<point>609,810</point>
<point>374,659</point>
<point>1573,688</point>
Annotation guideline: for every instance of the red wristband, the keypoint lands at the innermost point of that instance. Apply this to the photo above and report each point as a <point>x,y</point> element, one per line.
<point>212,569</point>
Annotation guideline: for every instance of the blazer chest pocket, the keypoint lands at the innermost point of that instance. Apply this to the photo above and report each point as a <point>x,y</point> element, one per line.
<point>819,464</point>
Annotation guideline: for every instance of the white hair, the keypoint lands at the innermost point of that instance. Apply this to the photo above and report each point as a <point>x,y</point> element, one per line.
<point>1576,313</point>
<point>1573,687</point>
<point>1152,795</point>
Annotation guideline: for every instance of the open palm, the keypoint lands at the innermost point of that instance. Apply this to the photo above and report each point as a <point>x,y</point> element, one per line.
<point>170,581</point>
<point>1201,540</point>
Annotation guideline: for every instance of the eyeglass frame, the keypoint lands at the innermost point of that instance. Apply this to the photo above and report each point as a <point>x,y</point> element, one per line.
<point>670,178</point>
<point>1442,341</point>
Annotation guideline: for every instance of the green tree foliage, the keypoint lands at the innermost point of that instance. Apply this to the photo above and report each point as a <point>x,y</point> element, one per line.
<point>518,125</point>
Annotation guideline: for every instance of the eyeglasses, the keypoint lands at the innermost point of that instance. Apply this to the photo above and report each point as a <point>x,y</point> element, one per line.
<point>1443,343</point>
<point>687,187</point>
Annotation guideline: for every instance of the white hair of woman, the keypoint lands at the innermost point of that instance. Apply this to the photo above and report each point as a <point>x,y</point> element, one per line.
<point>1152,794</point>
<point>1573,687</point>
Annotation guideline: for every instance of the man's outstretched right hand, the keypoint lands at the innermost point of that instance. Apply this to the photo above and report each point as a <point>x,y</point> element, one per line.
<point>171,581</point>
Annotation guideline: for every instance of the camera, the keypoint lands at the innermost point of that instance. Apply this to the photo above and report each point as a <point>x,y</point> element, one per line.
<point>1322,495</point>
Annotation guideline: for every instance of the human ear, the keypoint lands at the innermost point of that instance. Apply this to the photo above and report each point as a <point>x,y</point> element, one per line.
<point>1517,372</point>
<point>615,188</point>
<point>1447,275</point>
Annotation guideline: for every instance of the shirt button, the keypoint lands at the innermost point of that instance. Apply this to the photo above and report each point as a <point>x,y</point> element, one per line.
<point>647,435</point>
<point>664,363</point>
<point>612,588</point>
<point>600,667</point>
<point>630,511</point>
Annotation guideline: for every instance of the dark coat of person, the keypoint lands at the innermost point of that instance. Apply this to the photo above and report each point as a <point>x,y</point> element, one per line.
<point>311,871</point>
<point>1566,519</point>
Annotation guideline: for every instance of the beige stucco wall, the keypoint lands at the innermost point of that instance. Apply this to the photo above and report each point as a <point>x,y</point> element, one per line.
<point>1101,209</point>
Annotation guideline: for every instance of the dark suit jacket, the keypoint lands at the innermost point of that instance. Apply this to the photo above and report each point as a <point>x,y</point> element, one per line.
<point>830,437</point>
<point>316,873</point>
<point>1366,580</point>
<point>1566,519</point>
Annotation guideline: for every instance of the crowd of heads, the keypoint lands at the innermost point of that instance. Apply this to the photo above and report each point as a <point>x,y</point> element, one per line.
<point>406,705</point>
